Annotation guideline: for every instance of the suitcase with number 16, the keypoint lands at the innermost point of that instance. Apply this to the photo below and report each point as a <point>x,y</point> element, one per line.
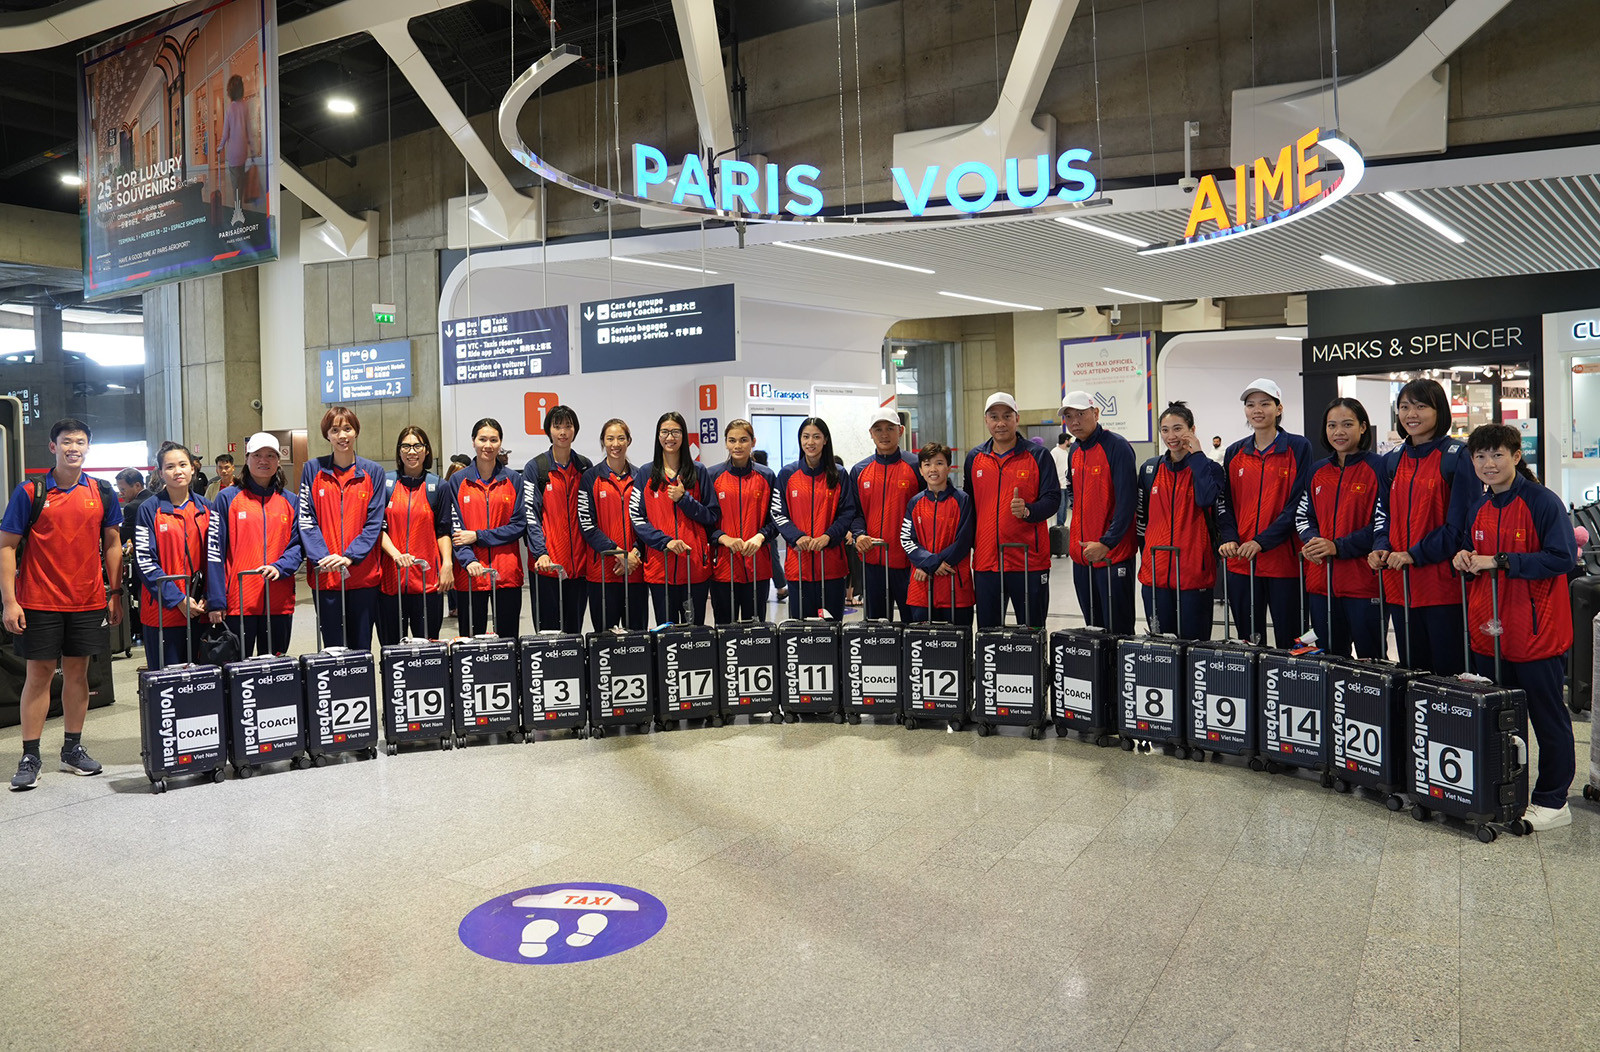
<point>750,661</point>
<point>809,649</point>
<point>341,704</point>
<point>554,676</point>
<point>1010,667</point>
<point>414,679</point>
<point>621,671</point>
<point>938,667</point>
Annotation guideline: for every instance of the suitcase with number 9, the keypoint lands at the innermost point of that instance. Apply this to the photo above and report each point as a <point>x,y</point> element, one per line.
<point>1223,683</point>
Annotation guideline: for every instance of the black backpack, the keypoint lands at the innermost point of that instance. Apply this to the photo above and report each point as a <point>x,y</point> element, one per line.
<point>37,508</point>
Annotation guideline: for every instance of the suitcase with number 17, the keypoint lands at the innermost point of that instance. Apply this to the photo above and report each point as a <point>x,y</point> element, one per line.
<point>938,667</point>
<point>688,665</point>
<point>750,661</point>
<point>554,669</point>
<point>1010,667</point>
<point>181,714</point>
<point>414,679</point>
<point>341,702</point>
<point>621,670</point>
<point>809,651</point>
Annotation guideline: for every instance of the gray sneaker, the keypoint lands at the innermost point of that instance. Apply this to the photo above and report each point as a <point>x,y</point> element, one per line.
<point>27,773</point>
<point>76,760</point>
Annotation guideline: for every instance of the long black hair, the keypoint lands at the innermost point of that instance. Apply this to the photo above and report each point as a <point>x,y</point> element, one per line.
<point>1355,406</point>
<point>1430,393</point>
<point>503,457</point>
<point>830,470</point>
<point>1500,436</point>
<point>658,467</point>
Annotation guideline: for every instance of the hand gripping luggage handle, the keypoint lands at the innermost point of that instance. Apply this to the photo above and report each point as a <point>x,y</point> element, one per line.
<point>612,553</point>
<point>888,593</point>
<point>161,638</point>
<point>532,574</point>
<point>1026,613</point>
<point>1177,586</point>
<point>1493,629</point>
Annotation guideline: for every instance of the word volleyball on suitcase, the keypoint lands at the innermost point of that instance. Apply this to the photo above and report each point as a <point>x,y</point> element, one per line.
<point>1223,688</point>
<point>182,711</point>
<point>415,682</point>
<point>266,694</point>
<point>1366,712</point>
<point>1083,681</point>
<point>938,662</point>
<point>341,702</point>
<point>1010,663</point>
<point>555,676</point>
<point>1151,688</point>
<point>750,660</point>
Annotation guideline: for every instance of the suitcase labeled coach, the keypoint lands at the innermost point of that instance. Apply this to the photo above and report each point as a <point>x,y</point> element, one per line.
<point>1083,681</point>
<point>266,698</point>
<point>872,652</point>
<point>182,712</point>
<point>1010,674</point>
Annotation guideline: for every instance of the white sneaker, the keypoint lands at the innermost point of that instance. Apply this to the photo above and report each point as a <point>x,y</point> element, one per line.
<point>1545,818</point>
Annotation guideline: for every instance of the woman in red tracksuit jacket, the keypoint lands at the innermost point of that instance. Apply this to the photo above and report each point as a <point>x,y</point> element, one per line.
<point>936,535</point>
<point>488,521</point>
<point>605,497</point>
<point>550,488</point>
<point>1267,473</point>
<point>416,530</point>
<point>813,505</point>
<point>253,528</point>
<point>341,515</point>
<point>171,538</point>
<point>1519,532</point>
<point>1178,492</point>
<point>741,562</point>
<point>673,509</point>
<point>1427,487</point>
<point>1336,520</point>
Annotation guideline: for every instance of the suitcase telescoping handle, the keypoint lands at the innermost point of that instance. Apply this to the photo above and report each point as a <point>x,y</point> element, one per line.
<point>532,574</point>
<point>1405,601</point>
<point>161,639</point>
<point>1027,615</point>
<point>1493,629</point>
<point>932,580</point>
<point>266,606</point>
<point>1227,602</point>
<point>399,595</point>
<point>1177,587</point>
<point>688,590</point>
<point>612,553</point>
<point>888,592</point>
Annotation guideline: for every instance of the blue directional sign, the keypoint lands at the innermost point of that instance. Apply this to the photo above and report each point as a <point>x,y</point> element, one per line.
<point>685,327</point>
<point>514,345</point>
<point>372,370</point>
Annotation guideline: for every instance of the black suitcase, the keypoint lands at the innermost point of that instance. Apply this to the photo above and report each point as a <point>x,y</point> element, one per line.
<point>872,652</point>
<point>688,666</point>
<point>1083,682</point>
<point>1585,593</point>
<point>1293,711</point>
<point>414,679</point>
<point>484,671</point>
<point>750,664</point>
<point>554,674</point>
<point>1153,691</point>
<point>266,695</point>
<point>622,684</point>
<point>1223,684</point>
<point>1010,670</point>
<point>809,648</point>
<point>1368,716</point>
<point>1059,539</point>
<point>938,663</point>
<point>181,717</point>
<point>341,700</point>
<point>1469,745</point>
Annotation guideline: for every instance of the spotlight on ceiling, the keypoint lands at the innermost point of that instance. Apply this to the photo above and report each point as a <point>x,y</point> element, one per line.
<point>71,179</point>
<point>342,106</point>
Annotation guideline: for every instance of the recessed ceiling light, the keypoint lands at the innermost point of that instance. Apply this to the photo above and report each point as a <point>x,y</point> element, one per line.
<point>1103,232</point>
<point>1291,339</point>
<point>1371,275</point>
<point>1421,215</point>
<point>985,299</point>
<point>342,106</point>
<point>845,255</point>
<point>71,179</point>
<point>1131,295</point>
<point>658,263</point>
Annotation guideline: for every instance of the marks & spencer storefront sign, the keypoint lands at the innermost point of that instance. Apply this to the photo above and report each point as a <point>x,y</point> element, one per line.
<point>1515,340</point>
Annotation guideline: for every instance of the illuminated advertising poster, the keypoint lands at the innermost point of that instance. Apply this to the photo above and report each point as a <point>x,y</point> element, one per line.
<point>1115,370</point>
<point>178,133</point>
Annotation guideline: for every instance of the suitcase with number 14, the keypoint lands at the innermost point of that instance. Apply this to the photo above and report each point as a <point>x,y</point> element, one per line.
<point>414,679</point>
<point>1293,713</point>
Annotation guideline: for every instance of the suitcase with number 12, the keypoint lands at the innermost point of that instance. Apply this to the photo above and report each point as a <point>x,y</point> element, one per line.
<point>938,667</point>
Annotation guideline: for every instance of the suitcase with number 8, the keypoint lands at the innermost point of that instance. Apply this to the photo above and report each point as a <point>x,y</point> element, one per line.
<point>341,703</point>
<point>554,675</point>
<point>750,659</point>
<point>1151,690</point>
<point>414,679</point>
<point>1010,667</point>
<point>621,671</point>
<point>938,661</point>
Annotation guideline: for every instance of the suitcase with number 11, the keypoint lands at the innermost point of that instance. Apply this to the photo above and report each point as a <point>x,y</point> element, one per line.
<point>809,650</point>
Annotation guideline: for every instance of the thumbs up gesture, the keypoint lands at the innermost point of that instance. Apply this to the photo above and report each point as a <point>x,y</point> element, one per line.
<point>675,489</point>
<point>1019,507</point>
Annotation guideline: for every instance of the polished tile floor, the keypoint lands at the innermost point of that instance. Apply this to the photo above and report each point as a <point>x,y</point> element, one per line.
<point>827,887</point>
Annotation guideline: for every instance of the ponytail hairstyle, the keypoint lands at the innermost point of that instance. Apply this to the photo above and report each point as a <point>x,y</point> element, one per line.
<point>830,468</point>
<point>617,421</point>
<point>1500,436</point>
<point>1355,406</point>
<point>161,457</point>
<point>1180,410</point>
<point>658,467</point>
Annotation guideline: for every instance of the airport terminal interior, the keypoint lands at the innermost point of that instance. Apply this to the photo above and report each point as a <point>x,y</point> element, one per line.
<point>412,258</point>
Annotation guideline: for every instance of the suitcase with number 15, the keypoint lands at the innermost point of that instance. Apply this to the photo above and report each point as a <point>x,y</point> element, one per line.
<point>484,668</point>
<point>554,674</point>
<point>750,660</point>
<point>810,653</point>
<point>621,670</point>
<point>341,703</point>
<point>1010,667</point>
<point>181,713</point>
<point>938,667</point>
<point>414,679</point>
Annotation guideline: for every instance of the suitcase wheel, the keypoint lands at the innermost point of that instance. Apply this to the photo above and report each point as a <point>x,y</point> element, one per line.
<point>461,741</point>
<point>1486,834</point>
<point>244,771</point>
<point>391,749</point>
<point>1340,785</point>
<point>158,785</point>
<point>838,717</point>
<point>1590,793</point>
<point>598,732</point>
<point>956,725</point>
<point>909,723</point>
<point>445,743</point>
<point>1274,767</point>
<point>1105,741</point>
<point>854,718</point>
<point>1327,780</point>
<point>1035,733</point>
<point>300,763</point>
<point>1257,764</point>
<point>984,730</point>
<point>644,728</point>
<point>661,725</point>
<point>1062,730</point>
<point>1197,755</point>
<point>791,717</point>
<point>1127,744</point>
<point>517,737</point>
<point>1216,757</point>
<point>717,721</point>
<point>1393,802</point>
<point>218,774</point>
<point>370,752</point>
<point>320,760</point>
<point>1420,813</point>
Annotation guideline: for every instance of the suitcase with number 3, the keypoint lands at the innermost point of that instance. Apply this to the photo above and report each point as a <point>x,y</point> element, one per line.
<point>554,676</point>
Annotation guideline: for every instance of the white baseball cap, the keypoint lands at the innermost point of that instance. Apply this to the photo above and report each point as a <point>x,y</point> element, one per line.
<point>1265,386</point>
<point>260,440</point>
<point>1000,398</point>
<point>885,414</point>
<point>1078,400</point>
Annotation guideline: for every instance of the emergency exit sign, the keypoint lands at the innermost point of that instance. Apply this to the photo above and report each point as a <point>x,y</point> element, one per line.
<point>383,313</point>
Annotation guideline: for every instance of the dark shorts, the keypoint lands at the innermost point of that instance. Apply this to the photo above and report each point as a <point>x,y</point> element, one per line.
<point>54,633</point>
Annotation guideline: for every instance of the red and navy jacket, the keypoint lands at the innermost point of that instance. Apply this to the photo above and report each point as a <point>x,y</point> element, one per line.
<point>938,528</point>
<point>556,489</point>
<point>884,486</point>
<point>804,505</point>
<point>744,497</point>
<point>605,500</point>
<point>61,568</point>
<point>657,519</point>
<point>1341,504</point>
<point>252,527</point>
<point>1530,524</point>
<point>989,479</point>
<point>1264,490</point>
<point>1100,486</point>
<point>341,513</point>
<point>1176,502</point>
<point>493,508</point>
<point>169,540</point>
<point>1425,495</point>
<point>416,516</point>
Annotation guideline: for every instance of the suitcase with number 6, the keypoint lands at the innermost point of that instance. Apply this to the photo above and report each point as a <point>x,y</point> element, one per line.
<point>414,679</point>
<point>750,663</point>
<point>938,662</point>
<point>622,682</point>
<point>1010,664</point>
<point>341,701</point>
<point>809,655</point>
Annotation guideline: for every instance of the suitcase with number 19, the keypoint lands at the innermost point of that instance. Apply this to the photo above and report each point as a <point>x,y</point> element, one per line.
<point>414,679</point>
<point>938,662</point>
<point>622,681</point>
<point>341,703</point>
<point>1010,663</point>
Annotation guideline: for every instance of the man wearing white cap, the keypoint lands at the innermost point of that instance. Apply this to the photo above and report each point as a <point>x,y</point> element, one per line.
<point>1014,493</point>
<point>1102,483</point>
<point>254,528</point>
<point>885,483</point>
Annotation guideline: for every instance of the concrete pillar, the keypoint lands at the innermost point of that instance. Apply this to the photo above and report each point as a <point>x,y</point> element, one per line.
<point>283,327</point>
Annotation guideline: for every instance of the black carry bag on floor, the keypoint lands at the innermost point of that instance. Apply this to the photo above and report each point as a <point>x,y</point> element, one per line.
<point>872,653</point>
<point>266,698</point>
<point>1293,711</point>
<point>1469,743</point>
<point>1010,667</point>
<point>1585,594</point>
<point>688,666</point>
<point>622,684</point>
<point>1591,788</point>
<point>749,661</point>
<point>1223,681</point>
<point>555,678</point>
<point>182,711</point>
<point>483,668</point>
<point>809,650</point>
<point>341,699</point>
<point>414,678</point>
<point>1083,681</point>
<point>938,663</point>
<point>1059,542</point>
<point>1368,717</point>
<point>1152,691</point>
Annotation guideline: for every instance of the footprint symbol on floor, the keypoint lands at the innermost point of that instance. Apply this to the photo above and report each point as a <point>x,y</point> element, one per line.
<point>589,925</point>
<point>536,937</point>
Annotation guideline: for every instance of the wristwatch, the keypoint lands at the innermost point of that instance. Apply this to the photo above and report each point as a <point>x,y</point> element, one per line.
<point>1502,561</point>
